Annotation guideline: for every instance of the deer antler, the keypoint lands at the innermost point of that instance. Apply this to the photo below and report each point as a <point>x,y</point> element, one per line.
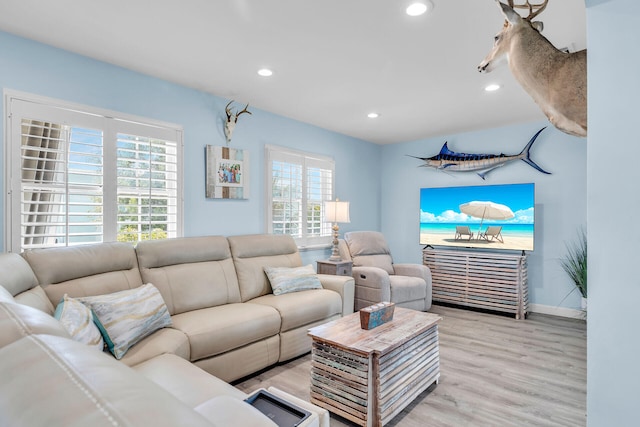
<point>244,111</point>
<point>228,110</point>
<point>532,14</point>
<point>231,114</point>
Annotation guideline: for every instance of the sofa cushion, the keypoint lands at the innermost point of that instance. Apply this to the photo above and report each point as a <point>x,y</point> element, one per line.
<point>162,341</point>
<point>302,308</point>
<point>36,298</point>
<point>219,329</point>
<point>5,295</point>
<point>252,252</point>
<point>369,249</point>
<point>77,319</point>
<point>188,383</point>
<point>17,276</point>
<point>85,270</point>
<point>292,279</point>
<point>18,321</point>
<point>407,288</point>
<point>61,382</point>
<point>126,317</point>
<point>190,272</point>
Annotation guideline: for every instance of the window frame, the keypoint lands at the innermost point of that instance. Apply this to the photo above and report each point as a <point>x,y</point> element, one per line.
<point>307,160</point>
<point>20,105</point>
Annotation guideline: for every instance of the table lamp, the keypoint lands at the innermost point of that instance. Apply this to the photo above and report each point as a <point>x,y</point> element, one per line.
<point>335,212</point>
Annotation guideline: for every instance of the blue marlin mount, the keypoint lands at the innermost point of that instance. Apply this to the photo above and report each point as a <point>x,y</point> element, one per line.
<point>448,160</point>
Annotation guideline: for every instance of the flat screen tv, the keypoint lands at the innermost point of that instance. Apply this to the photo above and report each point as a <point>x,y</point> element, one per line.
<point>487,216</point>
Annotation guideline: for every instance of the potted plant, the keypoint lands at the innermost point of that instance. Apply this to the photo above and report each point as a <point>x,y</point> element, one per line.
<point>575,264</point>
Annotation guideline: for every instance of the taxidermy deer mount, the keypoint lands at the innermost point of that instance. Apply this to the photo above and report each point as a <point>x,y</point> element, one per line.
<point>232,119</point>
<point>556,80</point>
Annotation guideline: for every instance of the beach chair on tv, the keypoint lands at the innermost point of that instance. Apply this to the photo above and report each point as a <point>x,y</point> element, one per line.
<point>463,230</point>
<point>492,232</point>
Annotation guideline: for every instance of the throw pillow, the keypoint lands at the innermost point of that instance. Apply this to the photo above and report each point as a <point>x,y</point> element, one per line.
<point>77,319</point>
<point>292,279</point>
<point>126,317</point>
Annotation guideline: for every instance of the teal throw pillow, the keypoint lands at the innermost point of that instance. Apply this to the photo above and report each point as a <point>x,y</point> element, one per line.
<point>126,317</point>
<point>78,320</point>
<point>292,279</point>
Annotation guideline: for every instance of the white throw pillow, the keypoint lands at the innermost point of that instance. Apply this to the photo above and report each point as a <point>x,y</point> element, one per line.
<point>78,320</point>
<point>126,317</point>
<point>292,279</point>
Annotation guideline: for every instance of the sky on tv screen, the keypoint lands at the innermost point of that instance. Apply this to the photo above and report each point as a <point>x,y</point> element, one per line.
<point>443,204</point>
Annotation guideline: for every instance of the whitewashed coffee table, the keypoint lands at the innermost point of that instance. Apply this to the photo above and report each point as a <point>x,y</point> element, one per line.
<point>369,376</point>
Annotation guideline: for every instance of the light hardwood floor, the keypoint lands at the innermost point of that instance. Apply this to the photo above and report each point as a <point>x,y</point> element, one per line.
<point>495,371</point>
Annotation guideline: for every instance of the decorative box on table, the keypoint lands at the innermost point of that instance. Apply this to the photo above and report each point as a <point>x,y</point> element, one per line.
<point>376,315</point>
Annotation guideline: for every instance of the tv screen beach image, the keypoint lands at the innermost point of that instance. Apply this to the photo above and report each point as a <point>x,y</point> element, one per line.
<point>488,216</point>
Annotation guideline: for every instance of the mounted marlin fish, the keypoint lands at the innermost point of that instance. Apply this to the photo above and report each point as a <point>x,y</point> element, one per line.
<point>448,160</point>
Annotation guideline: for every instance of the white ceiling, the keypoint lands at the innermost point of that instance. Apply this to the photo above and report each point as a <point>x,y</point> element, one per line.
<point>334,61</point>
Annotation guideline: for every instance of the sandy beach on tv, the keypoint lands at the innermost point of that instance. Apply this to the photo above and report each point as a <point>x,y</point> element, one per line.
<point>510,241</point>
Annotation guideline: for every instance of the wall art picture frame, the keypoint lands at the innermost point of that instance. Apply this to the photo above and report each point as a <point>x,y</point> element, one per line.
<point>227,172</point>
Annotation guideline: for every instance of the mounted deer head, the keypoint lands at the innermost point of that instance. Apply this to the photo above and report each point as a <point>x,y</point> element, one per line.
<point>232,119</point>
<point>556,80</point>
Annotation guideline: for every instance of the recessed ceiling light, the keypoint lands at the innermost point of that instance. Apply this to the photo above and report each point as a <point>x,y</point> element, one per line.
<point>492,87</point>
<point>373,115</point>
<point>419,8</point>
<point>265,72</point>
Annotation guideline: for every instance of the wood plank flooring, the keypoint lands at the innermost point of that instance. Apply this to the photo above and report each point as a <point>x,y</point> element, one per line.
<point>495,371</point>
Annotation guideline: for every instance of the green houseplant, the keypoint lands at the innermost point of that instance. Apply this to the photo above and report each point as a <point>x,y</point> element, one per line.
<point>575,262</point>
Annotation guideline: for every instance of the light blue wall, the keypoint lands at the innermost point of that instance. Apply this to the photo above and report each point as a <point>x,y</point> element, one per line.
<point>39,69</point>
<point>613,206</point>
<point>560,197</point>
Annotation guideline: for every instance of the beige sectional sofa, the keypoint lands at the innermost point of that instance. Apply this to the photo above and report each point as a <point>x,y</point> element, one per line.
<point>226,324</point>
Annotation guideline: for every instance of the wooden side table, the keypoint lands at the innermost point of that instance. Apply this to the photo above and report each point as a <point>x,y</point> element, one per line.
<point>337,268</point>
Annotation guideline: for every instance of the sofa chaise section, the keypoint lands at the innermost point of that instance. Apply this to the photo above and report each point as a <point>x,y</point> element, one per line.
<point>51,380</point>
<point>197,279</point>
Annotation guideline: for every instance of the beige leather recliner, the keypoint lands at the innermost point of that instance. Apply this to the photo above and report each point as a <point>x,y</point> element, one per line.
<point>378,279</point>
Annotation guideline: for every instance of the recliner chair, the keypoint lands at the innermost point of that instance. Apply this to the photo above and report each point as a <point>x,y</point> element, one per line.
<point>378,278</point>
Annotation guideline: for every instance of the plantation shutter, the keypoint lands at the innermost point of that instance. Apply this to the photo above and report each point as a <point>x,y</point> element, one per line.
<point>61,184</point>
<point>80,177</point>
<point>147,188</point>
<point>298,185</point>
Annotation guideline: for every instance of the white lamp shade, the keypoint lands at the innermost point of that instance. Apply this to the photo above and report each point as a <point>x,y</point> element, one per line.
<point>336,211</point>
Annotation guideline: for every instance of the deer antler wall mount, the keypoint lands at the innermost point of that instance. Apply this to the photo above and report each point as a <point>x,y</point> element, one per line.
<point>232,119</point>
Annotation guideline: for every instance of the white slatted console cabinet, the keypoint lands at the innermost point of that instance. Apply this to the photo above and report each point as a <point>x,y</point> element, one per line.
<point>487,280</point>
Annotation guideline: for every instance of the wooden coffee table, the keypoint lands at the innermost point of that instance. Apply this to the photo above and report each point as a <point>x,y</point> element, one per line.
<point>369,376</point>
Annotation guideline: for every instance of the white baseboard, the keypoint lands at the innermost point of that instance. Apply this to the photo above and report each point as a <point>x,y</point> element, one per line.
<point>557,311</point>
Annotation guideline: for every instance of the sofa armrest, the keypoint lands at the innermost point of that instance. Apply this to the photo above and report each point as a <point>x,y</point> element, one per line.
<point>413,270</point>
<point>344,285</point>
<point>231,411</point>
<point>372,284</point>
<point>417,270</point>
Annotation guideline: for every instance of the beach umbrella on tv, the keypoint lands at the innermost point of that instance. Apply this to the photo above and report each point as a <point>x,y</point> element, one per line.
<point>486,210</point>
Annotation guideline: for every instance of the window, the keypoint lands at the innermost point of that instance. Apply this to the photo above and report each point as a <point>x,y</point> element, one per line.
<point>297,185</point>
<point>78,175</point>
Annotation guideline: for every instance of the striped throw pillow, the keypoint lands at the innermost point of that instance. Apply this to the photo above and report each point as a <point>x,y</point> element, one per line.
<point>78,320</point>
<point>292,279</point>
<point>126,317</point>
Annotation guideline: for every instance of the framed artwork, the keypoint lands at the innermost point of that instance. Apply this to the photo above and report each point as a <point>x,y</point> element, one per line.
<point>227,173</point>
